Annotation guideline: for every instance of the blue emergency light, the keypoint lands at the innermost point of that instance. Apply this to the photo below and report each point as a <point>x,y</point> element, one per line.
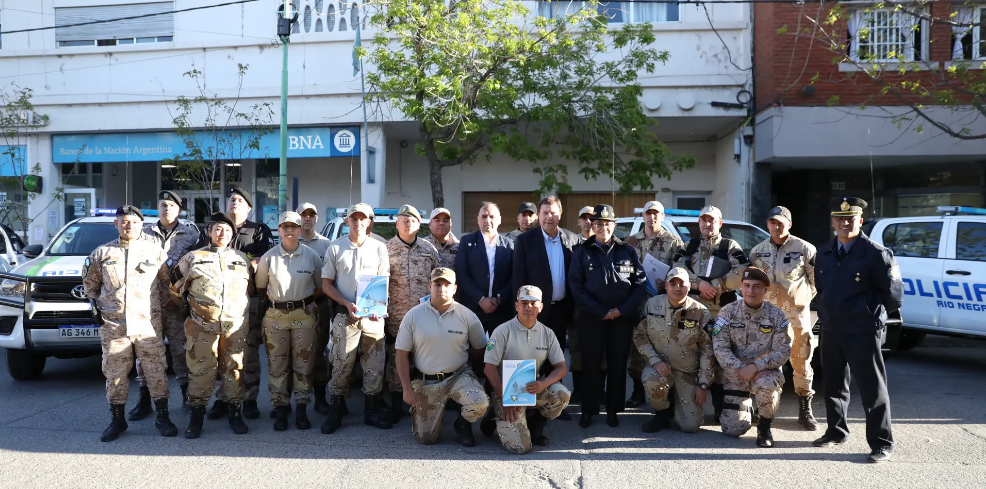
<point>957,209</point>
<point>102,211</point>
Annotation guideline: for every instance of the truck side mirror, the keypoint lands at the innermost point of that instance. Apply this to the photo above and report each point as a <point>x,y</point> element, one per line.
<point>32,251</point>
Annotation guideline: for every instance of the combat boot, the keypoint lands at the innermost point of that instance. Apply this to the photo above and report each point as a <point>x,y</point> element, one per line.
<point>637,397</point>
<point>273,412</point>
<point>487,425</point>
<point>718,393</point>
<point>301,418</point>
<point>250,410</point>
<point>184,396</point>
<point>396,406</point>
<point>117,425</point>
<point>143,408</point>
<point>535,423</point>
<point>163,422</point>
<point>334,419</point>
<point>321,407</point>
<point>764,438</point>
<point>463,428</point>
<point>281,422</point>
<point>660,421</point>
<point>236,419</point>
<point>218,410</point>
<point>805,417</point>
<point>195,423</point>
<point>375,413</point>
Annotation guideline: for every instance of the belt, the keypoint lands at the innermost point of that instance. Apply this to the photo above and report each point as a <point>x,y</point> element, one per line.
<point>438,376</point>
<point>340,309</point>
<point>322,299</point>
<point>292,305</point>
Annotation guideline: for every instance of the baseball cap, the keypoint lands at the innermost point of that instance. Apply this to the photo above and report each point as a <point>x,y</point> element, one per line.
<point>438,211</point>
<point>780,213</point>
<point>443,273</point>
<point>529,293</point>
<point>678,273</point>
<point>527,207</point>
<point>290,217</point>
<point>754,273</point>
<point>711,210</point>
<point>586,210</point>
<point>409,211</point>
<point>655,205</point>
<point>362,208</point>
<point>306,206</point>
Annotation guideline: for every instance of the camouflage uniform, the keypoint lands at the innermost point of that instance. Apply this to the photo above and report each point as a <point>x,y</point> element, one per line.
<point>125,279</point>
<point>217,283</point>
<point>743,335</point>
<point>320,244</point>
<point>678,338</point>
<point>410,277</point>
<point>447,251</point>
<point>791,268</point>
<point>176,244</point>
<point>289,331</point>
<point>663,247</point>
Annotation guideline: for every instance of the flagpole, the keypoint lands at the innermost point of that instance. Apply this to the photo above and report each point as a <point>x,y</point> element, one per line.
<point>362,84</point>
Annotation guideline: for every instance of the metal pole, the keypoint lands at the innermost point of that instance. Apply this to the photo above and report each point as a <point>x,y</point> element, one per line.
<point>282,184</point>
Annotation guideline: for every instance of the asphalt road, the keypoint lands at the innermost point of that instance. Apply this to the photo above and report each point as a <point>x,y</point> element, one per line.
<point>49,436</point>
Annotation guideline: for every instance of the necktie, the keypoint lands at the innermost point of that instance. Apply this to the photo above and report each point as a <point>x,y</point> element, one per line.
<point>842,252</point>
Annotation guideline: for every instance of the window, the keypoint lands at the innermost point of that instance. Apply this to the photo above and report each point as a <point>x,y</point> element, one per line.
<point>146,28</point>
<point>970,241</point>
<point>616,12</point>
<point>913,239</point>
<point>886,35</point>
<point>745,235</point>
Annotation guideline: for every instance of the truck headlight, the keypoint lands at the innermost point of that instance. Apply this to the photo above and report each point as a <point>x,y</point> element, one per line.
<point>12,289</point>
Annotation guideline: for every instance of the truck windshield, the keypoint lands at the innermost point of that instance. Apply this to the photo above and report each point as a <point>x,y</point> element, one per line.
<point>746,235</point>
<point>80,239</point>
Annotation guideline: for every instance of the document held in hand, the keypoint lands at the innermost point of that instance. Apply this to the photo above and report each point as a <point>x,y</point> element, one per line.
<point>655,270</point>
<point>516,375</point>
<point>371,295</point>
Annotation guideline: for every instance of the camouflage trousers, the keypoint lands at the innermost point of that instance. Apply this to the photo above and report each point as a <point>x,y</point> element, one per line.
<point>687,414</point>
<point>174,330</point>
<point>737,411</point>
<point>210,354</point>
<point>118,359</point>
<point>323,328</point>
<point>463,387</point>
<point>348,335</point>
<point>250,374</point>
<point>803,348</point>
<point>289,337</point>
<point>515,436</point>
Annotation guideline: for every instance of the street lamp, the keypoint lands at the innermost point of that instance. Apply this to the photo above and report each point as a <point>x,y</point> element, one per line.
<point>286,15</point>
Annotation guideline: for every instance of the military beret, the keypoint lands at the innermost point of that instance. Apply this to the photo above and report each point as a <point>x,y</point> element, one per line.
<point>780,213</point>
<point>222,218</point>
<point>603,212</point>
<point>170,195</point>
<point>409,211</point>
<point>243,193</point>
<point>129,210</point>
<point>754,273</point>
<point>847,206</point>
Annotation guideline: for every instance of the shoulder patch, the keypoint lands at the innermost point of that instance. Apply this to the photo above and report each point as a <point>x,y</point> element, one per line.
<point>85,267</point>
<point>783,325</point>
<point>719,324</point>
<point>893,273</point>
<point>491,344</point>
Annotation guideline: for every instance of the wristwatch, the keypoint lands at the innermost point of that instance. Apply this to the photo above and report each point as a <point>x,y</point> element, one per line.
<point>703,386</point>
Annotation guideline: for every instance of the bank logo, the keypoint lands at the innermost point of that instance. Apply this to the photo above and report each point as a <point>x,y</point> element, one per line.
<point>344,141</point>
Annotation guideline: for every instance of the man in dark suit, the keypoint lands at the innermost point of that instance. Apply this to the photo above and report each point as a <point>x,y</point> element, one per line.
<point>483,268</point>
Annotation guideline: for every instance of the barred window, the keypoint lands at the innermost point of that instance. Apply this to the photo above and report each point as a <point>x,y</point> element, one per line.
<point>886,35</point>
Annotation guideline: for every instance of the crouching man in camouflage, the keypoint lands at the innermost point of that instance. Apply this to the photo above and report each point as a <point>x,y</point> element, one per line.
<point>443,335</point>
<point>124,279</point>
<point>752,341</point>
<point>524,338</point>
<point>215,283</point>
<point>673,341</point>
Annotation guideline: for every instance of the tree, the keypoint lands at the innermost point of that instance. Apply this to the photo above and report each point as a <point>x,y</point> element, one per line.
<point>18,120</point>
<point>886,72</point>
<point>481,77</point>
<point>225,135</point>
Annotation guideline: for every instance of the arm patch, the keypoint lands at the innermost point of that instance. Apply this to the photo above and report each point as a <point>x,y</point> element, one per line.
<point>719,324</point>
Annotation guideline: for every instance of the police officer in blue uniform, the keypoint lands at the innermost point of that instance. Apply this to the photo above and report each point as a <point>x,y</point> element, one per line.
<point>608,284</point>
<point>858,284</point>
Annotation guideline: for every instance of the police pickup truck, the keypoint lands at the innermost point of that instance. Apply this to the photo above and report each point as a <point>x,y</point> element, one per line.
<point>942,262</point>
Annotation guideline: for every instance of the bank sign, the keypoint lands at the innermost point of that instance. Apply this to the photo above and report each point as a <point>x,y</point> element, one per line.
<point>303,142</point>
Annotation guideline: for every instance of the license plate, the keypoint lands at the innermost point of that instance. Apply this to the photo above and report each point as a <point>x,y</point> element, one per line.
<point>79,331</point>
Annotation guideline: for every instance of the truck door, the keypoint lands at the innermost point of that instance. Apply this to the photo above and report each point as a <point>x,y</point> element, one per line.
<point>917,246</point>
<point>964,277</point>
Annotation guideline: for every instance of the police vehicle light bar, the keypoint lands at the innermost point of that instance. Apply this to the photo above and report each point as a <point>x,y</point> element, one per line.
<point>102,211</point>
<point>671,212</point>
<point>957,209</point>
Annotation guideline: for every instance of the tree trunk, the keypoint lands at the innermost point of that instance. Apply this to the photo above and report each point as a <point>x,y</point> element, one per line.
<point>435,175</point>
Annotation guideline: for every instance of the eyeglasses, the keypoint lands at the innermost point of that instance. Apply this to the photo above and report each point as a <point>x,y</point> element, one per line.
<point>602,224</point>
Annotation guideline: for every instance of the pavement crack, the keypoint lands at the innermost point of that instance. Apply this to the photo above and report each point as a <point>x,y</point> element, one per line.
<point>973,433</point>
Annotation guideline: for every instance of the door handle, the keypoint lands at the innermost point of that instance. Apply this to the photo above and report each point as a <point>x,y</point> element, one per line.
<point>958,272</point>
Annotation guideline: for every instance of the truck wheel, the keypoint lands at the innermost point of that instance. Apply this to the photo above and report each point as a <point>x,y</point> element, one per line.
<point>910,340</point>
<point>24,365</point>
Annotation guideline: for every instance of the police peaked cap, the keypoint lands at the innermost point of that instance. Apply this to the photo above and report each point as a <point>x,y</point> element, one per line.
<point>847,206</point>
<point>223,218</point>
<point>243,193</point>
<point>129,210</point>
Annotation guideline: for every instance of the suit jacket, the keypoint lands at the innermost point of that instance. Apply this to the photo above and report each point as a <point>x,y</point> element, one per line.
<point>472,277</point>
<point>531,265</point>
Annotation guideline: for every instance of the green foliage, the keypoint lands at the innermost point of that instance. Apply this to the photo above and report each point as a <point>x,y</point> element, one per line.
<point>481,77</point>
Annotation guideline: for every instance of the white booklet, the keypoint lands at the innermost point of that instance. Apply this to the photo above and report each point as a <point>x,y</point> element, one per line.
<point>655,270</point>
<point>371,295</point>
<point>516,375</point>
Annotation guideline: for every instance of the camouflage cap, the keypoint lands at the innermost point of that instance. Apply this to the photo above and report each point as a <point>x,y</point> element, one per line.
<point>409,211</point>
<point>711,210</point>
<point>442,273</point>
<point>290,217</point>
<point>754,273</point>
<point>529,293</point>
<point>586,210</point>
<point>439,211</point>
<point>653,206</point>
<point>361,208</point>
<point>305,206</point>
<point>678,273</point>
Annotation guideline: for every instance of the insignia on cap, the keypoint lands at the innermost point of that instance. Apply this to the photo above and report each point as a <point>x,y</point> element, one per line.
<point>844,206</point>
<point>746,274</point>
<point>404,209</point>
<point>604,213</point>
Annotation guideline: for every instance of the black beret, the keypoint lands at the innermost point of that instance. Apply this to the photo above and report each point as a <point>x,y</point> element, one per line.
<point>603,212</point>
<point>223,218</point>
<point>754,273</point>
<point>169,195</point>
<point>129,210</point>
<point>243,193</point>
<point>847,206</point>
